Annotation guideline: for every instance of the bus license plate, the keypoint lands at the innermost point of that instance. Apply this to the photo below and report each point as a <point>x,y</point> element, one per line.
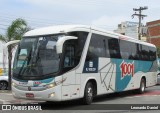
<point>29,95</point>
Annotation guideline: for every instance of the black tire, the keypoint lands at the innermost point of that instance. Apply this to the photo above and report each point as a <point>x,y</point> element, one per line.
<point>88,94</point>
<point>3,85</point>
<point>142,86</point>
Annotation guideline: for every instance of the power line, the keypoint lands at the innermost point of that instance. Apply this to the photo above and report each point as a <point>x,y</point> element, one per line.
<point>38,22</point>
<point>42,21</point>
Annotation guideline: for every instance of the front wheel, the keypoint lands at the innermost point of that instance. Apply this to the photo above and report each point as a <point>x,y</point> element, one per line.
<point>142,86</point>
<point>88,94</point>
<point>3,85</point>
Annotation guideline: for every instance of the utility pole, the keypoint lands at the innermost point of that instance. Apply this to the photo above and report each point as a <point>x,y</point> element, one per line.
<point>140,16</point>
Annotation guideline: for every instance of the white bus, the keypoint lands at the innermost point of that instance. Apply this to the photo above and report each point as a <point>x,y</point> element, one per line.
<point>74,61</point>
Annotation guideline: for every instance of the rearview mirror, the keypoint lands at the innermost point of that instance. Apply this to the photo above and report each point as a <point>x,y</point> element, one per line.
<point>60,42</point>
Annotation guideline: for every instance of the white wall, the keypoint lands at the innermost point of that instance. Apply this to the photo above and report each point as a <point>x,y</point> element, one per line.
<point>1,58</point>
<point>1,54</point>
<point>132,32</point>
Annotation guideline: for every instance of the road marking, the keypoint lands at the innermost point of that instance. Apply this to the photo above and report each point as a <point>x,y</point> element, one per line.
<point>142,96</point>
<point>2,100</point>
<point>21,101</point>
<point>147,93</point>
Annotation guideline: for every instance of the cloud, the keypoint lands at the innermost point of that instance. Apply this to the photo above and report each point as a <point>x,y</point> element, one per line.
<point>108,22</point>
<point>101,13</point>
<point>78,4</point>
<point>37,2</point>
<point>52,3</point>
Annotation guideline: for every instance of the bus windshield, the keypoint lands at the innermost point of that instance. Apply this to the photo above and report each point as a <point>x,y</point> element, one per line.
<point>36,57</point>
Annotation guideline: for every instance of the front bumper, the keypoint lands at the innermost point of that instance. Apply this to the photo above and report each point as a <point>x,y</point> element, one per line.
<point>44,95</point>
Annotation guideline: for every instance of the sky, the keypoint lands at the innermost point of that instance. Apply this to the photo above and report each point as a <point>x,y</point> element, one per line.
<point>105,14</point>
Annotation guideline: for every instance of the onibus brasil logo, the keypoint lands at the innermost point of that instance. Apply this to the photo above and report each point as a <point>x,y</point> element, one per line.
<point>127,69</point>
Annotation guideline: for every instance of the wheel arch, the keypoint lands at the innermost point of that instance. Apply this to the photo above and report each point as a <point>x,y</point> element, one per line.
<point>93,81</point>
<point>144,77</point>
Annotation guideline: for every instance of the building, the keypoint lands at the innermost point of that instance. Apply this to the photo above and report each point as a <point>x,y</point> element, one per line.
<point>128,28</point>
<point>131,29</point>
<point>153,32</point>
<point>1,58</point>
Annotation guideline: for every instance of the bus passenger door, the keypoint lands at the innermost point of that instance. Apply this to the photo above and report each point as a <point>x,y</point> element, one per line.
<point>69,90</point>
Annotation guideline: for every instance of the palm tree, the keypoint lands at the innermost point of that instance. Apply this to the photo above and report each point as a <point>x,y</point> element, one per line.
<point>14,32</point>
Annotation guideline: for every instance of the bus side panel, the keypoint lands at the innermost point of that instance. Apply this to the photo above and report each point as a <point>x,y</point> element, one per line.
<point>116,75</point>
<point>103,72</point>
<point>130,72</point>
<point>113,77</point>
<point>127,74</point>
<point>107,76</point>
<point>151,79</point>
<point>70,89</point>
<point>151,76</point>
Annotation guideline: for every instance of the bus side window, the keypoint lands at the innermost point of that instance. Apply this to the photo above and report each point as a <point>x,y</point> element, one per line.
<point>97,47</point>
<point>152,53</point>
<point>79,44</point>
<point>114,48</point>
<point>125,50</point>
<point>69,57</point>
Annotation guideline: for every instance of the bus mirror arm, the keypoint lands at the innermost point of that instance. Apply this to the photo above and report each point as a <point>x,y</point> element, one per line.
<point>60,42</point>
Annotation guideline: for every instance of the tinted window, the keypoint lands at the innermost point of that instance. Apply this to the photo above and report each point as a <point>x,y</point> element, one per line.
<point>134,52</point>
<point>114,48</point>
<point>69,57</point>
<point>103,46</point>
<point>79,45</point>
<point>145,53</point>
<point>152,53</point>
<point>125,49</point>
<point>97,47</point>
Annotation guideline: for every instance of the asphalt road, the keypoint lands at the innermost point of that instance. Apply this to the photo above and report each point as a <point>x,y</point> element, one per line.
<point>110,103</point>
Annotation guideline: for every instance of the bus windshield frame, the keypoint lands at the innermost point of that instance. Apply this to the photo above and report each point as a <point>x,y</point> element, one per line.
<point>36,57</point>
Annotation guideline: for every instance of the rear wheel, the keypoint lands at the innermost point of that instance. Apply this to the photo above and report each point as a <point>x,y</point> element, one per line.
<point>142,86</point>
<point>88,94</point>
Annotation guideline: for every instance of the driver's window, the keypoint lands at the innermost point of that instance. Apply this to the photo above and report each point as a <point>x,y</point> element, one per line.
<point>22,58</point>
<point>69,57</point>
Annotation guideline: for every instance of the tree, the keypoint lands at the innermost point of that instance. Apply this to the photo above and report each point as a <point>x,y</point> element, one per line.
<point>14,32</point>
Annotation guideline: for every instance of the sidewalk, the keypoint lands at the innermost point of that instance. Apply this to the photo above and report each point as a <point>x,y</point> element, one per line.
<point>6,97</point>
<point>5,91</point>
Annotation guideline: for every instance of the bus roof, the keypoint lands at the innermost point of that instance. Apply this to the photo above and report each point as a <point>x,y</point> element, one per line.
<point>55,29</point>
<point>68,28</point>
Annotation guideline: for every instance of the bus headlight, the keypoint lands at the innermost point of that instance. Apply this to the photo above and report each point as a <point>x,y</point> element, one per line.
<point>51,85</point>
<point>14,84</point>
